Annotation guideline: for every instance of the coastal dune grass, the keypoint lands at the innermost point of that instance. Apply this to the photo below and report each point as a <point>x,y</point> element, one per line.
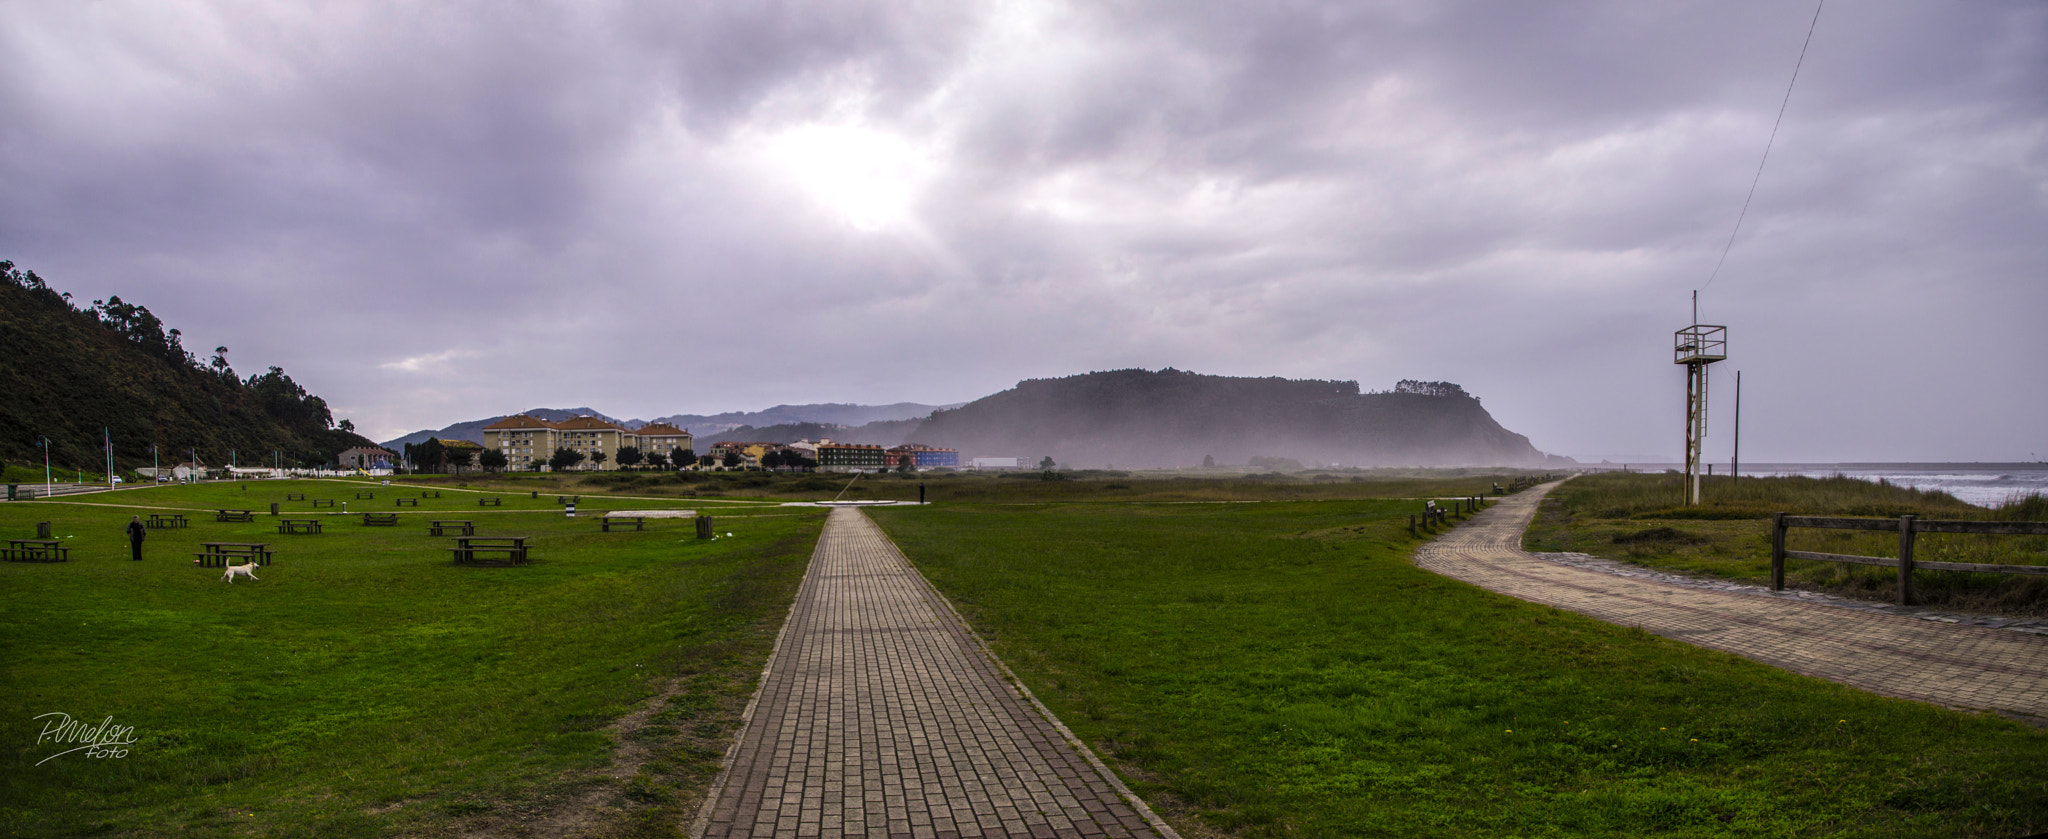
<point>368,686</point>
<point>1642,518</point>
<point>1283,669</point>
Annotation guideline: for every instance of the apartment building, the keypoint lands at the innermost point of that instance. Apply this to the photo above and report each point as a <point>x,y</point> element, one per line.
<point>527,442</point>
<point>921,457</point>
<point>850,457</point>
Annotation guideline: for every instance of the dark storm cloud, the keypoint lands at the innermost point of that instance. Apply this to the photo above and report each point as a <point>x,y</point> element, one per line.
<point>493,207</point>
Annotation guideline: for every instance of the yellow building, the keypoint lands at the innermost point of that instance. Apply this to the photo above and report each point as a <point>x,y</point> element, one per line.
<point>526,442</point>
<point>592,437</point>
<point>523,440</point>
<point>666,440</point>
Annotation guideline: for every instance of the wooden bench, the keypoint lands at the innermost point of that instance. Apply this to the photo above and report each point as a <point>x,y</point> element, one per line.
<point>467,547</point>
<point>162,521</point>
<point>490,502</point>
<point>218,554</point>
<point>360,495</point>
<point>294,496</point>
<point>234,515</point>
<point>606,523</point>
<point>430,493</point>
<point>323,502</point>
<point>568,499</point>
<point>35,550</point>
<point>380,519</point>
<point>408,502</point>
<point>307,526</point>
<point>442,527</point>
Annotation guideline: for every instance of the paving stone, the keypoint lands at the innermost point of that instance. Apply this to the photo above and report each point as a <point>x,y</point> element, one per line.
<point>1947,659</point>
<point>882,715</point>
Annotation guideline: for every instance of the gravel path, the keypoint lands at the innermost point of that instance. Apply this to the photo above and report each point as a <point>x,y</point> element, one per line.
<point>1971,662</point>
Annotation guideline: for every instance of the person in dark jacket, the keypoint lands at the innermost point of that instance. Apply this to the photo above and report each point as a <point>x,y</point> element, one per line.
<point>135,531</point>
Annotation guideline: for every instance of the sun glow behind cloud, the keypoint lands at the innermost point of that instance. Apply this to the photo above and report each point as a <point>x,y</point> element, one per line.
<point>867,178</point>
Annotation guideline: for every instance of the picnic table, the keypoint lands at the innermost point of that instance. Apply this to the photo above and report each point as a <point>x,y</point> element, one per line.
<point>161,521</point>
<point>234,515</point>
<point>568,499</point>
<point>218,553</point>
<point>607,522</point>
<point>408,502</point>
<point>490,502</point>
<point>294,496</point>
<point>360,495</point>
<point>36,550</point>
<point>467,547</point>
<point>440,527</point>
<point>298,526</point>
<point>430,493</point>
<point>323,502</point>
<point>380,519</point>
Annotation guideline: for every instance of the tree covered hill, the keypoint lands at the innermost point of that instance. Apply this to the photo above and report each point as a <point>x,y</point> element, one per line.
<point>77,375</point>
<point>1172,418</point>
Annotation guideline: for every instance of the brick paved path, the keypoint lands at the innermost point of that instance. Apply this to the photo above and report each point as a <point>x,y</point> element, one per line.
<point>881,715</point>
<point>1959,666</point>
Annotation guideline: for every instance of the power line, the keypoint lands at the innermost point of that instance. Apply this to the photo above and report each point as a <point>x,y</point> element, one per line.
<point>1767,144</point>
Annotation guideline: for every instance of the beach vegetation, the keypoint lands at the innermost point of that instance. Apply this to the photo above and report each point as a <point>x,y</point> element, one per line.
<point>1642,518</point>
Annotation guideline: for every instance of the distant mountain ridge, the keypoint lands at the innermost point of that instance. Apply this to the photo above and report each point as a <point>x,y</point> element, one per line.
<point>707,428</point>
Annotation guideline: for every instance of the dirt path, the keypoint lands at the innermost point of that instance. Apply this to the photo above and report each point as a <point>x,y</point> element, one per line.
<point>1957,666</point>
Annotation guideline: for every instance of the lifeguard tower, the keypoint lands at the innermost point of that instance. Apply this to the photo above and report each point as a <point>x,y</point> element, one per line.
<point>1697,346</point>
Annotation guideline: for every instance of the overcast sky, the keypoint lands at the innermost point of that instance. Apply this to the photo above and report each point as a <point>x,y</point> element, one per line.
<point>434,212</point>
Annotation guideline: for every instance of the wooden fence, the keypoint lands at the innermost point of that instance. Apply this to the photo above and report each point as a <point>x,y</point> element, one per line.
<point>1907,527</point>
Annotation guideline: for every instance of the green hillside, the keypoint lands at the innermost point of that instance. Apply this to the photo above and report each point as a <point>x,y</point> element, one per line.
<point>76,375</point>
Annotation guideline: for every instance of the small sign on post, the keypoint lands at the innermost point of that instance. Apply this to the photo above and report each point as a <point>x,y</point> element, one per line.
<point>571,507</point>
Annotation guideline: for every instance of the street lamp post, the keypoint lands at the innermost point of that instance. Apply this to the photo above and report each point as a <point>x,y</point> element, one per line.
<point>48,487</point>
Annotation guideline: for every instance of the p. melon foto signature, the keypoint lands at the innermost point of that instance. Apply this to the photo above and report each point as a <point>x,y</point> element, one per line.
<point>103,740</point>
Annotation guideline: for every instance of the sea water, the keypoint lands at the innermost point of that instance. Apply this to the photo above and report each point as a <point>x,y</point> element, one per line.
<point>1989,485</point>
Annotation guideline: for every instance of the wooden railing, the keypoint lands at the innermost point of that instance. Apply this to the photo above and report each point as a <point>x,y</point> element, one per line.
<point>1907,527</point>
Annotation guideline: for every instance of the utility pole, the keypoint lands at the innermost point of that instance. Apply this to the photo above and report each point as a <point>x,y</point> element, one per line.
<point>48,485</point>
<point>109,434</point>
<point>1735,464</point>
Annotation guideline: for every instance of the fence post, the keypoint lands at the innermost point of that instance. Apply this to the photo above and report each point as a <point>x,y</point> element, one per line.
<point>1777,551</point>
<point>1906,560</point>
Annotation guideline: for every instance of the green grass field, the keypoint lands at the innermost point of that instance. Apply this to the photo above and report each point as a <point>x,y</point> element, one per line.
<point>367,686</point>
<point>1253,669</point>
<point>1283,669</point>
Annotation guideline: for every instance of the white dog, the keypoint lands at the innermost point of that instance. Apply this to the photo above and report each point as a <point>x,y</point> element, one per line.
<point>240,571</point>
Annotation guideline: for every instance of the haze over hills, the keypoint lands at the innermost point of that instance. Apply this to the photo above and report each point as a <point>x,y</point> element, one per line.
<point>1173,418</point>
<point>711,428</point>
<point>1142,419</point>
